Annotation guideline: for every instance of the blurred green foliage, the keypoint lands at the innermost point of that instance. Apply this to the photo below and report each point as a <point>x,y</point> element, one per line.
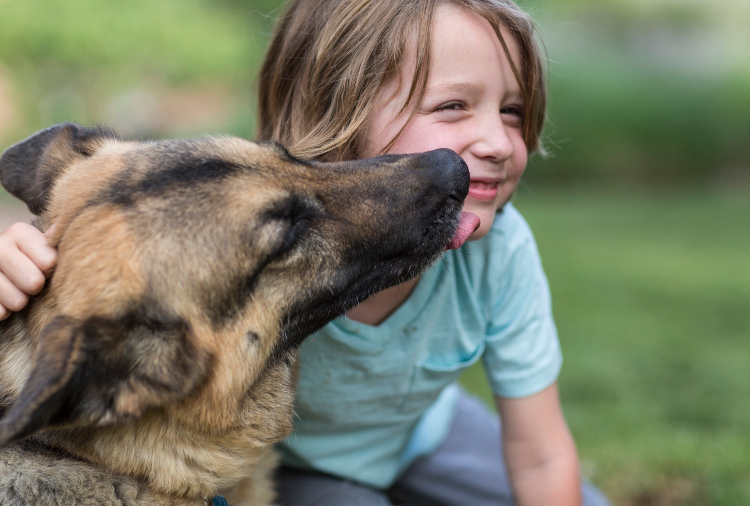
<point>179,40</point>
<point>80,60</point>
<point>654,131</point>
<point>643,92</point>
<point>646,92</point>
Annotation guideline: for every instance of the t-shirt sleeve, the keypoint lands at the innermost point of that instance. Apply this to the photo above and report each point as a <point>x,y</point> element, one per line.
<point>522,354</point>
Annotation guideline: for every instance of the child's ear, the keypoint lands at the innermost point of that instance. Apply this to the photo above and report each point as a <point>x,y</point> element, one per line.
<point>103,371</point>
<point>28,169</point>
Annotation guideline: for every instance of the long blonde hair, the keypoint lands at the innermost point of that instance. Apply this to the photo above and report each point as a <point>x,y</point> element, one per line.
<point>329,59</point>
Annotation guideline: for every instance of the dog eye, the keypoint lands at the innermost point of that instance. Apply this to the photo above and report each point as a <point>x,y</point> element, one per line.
<point>297,216</point>
<point>297,227</point>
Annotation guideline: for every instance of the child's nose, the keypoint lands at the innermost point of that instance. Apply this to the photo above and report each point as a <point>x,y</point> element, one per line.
<point>493,141</point>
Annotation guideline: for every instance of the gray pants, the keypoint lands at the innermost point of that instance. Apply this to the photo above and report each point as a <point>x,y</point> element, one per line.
<point>466,470</point>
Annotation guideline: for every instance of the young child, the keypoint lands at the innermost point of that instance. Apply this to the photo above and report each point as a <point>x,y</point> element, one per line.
<point>380,418</point>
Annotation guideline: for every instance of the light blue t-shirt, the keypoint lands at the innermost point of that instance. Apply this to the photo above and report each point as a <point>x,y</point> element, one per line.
<point>373,398</point>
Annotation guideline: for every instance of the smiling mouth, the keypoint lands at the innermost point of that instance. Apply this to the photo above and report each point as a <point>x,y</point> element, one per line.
<point>483,191</point>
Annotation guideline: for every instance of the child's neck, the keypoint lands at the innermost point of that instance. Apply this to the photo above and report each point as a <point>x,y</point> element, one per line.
<point>377,308</point>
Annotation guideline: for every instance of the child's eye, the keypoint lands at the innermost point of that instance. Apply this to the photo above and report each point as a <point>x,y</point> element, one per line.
<point>450,106</point>
<point>517,113</point>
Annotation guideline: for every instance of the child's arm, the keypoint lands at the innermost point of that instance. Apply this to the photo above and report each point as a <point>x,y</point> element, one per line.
<point>26,258</point>
<point>540,453</point>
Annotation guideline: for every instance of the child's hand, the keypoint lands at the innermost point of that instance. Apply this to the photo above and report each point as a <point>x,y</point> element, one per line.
<point>26,259</point>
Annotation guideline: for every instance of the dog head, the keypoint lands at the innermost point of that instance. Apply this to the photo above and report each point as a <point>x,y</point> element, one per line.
<point>188,268</point>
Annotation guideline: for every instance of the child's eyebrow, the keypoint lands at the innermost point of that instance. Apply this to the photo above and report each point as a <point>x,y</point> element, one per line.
<point>448,87</point>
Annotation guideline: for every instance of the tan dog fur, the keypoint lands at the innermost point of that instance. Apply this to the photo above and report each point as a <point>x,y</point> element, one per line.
<point>158,366</point>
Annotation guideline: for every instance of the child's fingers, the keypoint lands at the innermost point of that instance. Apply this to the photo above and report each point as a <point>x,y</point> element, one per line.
<point>11,298</point>
<point>33,243</point>
<point>24,257</point>
<point>38,249</point>
<point>20,273</point>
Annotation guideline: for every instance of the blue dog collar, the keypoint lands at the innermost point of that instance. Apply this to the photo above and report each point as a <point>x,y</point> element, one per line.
<point>220,501</point>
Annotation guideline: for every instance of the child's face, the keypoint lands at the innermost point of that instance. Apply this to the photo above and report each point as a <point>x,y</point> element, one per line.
<point>472,105</point>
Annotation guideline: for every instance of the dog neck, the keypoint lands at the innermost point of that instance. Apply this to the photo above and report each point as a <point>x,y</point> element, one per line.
<point>179,461</point>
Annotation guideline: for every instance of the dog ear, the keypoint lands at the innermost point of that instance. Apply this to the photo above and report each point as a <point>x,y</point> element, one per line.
<point>29,168</point>
<point>103,371</point>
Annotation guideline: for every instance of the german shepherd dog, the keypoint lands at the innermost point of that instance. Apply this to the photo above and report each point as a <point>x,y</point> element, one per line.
<point>158,365</point>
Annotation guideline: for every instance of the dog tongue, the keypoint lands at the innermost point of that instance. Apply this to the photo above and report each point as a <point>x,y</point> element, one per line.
<point>468,224</point>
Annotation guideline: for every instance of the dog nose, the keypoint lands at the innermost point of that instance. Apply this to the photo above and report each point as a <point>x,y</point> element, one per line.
<point>446,170</point>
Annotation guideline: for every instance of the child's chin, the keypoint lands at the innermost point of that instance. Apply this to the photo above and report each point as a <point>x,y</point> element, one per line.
<point>479,233</point>
<point>486,219</point>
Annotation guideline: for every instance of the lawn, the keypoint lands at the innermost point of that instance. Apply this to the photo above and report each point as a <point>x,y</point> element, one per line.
<point>651,294</point>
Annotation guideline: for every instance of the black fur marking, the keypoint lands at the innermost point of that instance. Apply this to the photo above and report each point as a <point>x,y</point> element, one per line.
<point>184,173</point>
<point>304,318</point>
<point>112,356</point>
<point>177,176</point>
<point>370,270</point>
<point>23,168</point>
<point>83,136</point>
<point>224,309</point>
<point>109,362</point>
<point>145,348</point>
<point>41,396</point>
<point>252,337</point>
<point>299,215</point>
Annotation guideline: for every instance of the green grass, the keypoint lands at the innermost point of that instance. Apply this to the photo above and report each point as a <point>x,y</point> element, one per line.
<point>651,295</point>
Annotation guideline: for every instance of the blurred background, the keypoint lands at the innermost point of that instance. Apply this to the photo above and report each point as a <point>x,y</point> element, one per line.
<point>641,211</point>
